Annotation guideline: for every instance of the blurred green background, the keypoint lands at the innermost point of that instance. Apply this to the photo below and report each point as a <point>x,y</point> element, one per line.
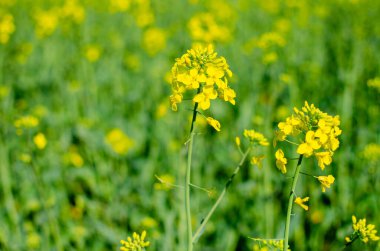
<point>85,121</point>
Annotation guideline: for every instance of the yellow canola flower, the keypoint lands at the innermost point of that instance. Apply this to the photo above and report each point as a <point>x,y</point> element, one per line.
<point>154,40</point>
<point>118,141</point>
<point>281,161</point>
<point>46,22</point>
<point>362,231</point>
<point>299,201</point>
<point>201,69</point>
<point>326,181</point>
<point>317,131</point>
<point>92,53</point>
<point>237,141</point>
<point>7,27</point>
<point>40,141</point>
<point>136,243</point>
<point>214,123</point>
<point>257,160</point>
<point>27,121</point>
<point>256,137</point>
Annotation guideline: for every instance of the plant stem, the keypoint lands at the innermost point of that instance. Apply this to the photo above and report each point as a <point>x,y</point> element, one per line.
<point>200,229</point>
<point>188,180</point>
<point>187,194</point>
<point>290,202</point>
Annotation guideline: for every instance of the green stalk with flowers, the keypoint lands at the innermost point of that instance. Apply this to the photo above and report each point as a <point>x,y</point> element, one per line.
<point>318,134</point>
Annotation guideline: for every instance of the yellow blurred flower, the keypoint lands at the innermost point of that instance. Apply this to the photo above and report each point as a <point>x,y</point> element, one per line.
<point>118,141</point>
<point>7,27</point>
<point>154,40</point>
<point>281,161</point>
<point>40,141</point>
<point>25,157</point>
<point>374,83</point>
<point>255,137</point>
<point>72,10</point>
<point>257,160</point>
<point>92,53</point>
<point>326,181</point>
<point>27,121</point>
<point>165,182</point>
<point>119,5</point>
<point>46,22</point>
<point>33,241</point>
<point>301,202</point>
<point>362,231</point>
<point>214,123</point>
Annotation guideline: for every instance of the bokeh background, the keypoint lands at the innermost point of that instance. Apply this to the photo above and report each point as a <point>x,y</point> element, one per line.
<point>85,122</point>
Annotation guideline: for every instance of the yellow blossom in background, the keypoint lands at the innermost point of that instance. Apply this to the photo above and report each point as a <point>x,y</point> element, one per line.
<point>25,157</point>
<point>33,240</point>
<point>7,27</point>
<point>317,131</point>
<point>92,53</point>
<point>46,22</point>
<point>204,27</point>
<point>214,123</point>
<point>154,40</point>
<point>270,58</point>
<point>201,69</point>
<point>237,141</point>
<point>119,5</point>
<point>326,181</point>
<point>374,83</point>
<point>362,231</point>
<point>72,10</point>
<point>118,141</point>
<point>281,161</point>
<point>301,202</point>
<point>136,243</point>
<point>371,152</point>
<point>40,141</point>
<point>74,158</point>
<point>165,183</point>
<point>256,137</point>
<point>257,160</point>
<point>27,121</point>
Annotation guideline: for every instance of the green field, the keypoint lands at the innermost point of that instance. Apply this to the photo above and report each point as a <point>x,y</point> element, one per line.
<point>91,151</point>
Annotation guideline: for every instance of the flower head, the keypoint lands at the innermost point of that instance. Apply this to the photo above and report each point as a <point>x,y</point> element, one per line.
<point>317,131</point>
<point>214,123</point>
<point>256,137</point>
<point>281,161</point>
<point>326,181</point>
<point>299,201</point>
<point>119,141</point>
<point>40,141</point>
<point>136,243</point>
<point>202,70</point>
<point>362,231</point>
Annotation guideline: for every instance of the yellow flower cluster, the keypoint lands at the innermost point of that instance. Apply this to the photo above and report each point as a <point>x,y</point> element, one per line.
<point>202,70</point>
<point>118,141</point>
<point>301,202</point>
<point>371,152</point>
<point>362,231</point>
<point>7,27</point>
<point>136,243</point>
<point>27,121</point>
<point>326,181</point>
<point>205,28</point>
<point>374,83</point>
<point>255,137</point>
<point>319,133</point>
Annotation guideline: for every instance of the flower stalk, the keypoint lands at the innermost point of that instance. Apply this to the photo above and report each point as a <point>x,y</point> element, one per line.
<point>200,229</point>
<point>290,202</point>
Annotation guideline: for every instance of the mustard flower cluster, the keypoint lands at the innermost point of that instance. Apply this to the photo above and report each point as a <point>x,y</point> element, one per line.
<point>202,70</point>
<point>136,243</point>
<point>362,231</point>
<point>317,133</point>
<point>256,137</point>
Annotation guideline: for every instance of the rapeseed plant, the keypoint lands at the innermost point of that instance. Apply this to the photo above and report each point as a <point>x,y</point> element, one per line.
<point>136,243</point>
<point>362,231</point>
<point>316,133</point>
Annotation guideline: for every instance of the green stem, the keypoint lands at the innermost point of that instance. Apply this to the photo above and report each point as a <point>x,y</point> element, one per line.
<point>187,194</point>
<point>188,180</point>
<point>290,203</point>
<point>200,229</point>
